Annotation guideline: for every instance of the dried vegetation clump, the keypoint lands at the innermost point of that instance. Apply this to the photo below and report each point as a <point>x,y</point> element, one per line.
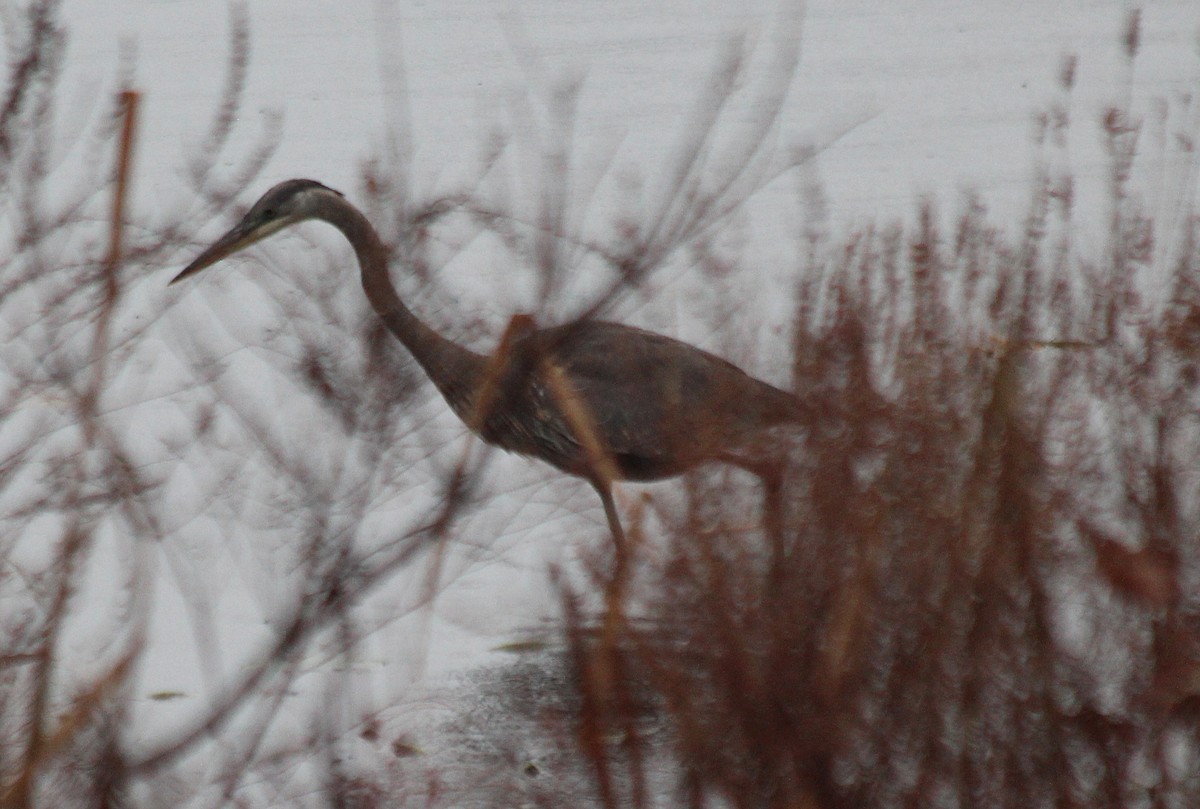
<point>990,596</point>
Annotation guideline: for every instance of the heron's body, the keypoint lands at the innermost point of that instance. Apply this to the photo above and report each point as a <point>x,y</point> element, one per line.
<point>654,406</point>
<point>658,406</point>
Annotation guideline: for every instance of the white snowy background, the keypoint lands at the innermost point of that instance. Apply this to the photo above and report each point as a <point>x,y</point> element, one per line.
<point>909,99</point>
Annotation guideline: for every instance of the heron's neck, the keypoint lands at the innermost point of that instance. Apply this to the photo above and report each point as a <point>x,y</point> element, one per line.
<point>455,370</point>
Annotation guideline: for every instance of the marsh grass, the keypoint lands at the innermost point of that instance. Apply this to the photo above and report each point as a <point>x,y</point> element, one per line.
<point>992,535</point>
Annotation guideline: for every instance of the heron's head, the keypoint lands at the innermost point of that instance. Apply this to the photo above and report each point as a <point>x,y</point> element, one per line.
<point>286,204</point>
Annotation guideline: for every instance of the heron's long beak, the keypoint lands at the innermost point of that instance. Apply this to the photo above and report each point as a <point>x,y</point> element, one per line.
<point>242,236</point>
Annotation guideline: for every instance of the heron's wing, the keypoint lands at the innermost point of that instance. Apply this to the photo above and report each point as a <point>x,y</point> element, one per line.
<point>659,405</point>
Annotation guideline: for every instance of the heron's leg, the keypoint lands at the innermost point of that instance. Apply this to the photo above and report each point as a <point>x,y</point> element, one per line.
<point>604,684</point>
<point>614,592</point>
<point>610,511</point>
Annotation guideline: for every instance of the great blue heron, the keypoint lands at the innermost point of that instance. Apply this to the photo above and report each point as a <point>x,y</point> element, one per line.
<point>598,400</point>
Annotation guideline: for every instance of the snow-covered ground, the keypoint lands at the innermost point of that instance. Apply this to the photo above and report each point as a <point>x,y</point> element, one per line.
<point>906,99</point>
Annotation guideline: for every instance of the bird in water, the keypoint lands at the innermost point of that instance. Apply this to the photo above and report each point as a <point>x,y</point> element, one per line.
<point>599,400</point>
